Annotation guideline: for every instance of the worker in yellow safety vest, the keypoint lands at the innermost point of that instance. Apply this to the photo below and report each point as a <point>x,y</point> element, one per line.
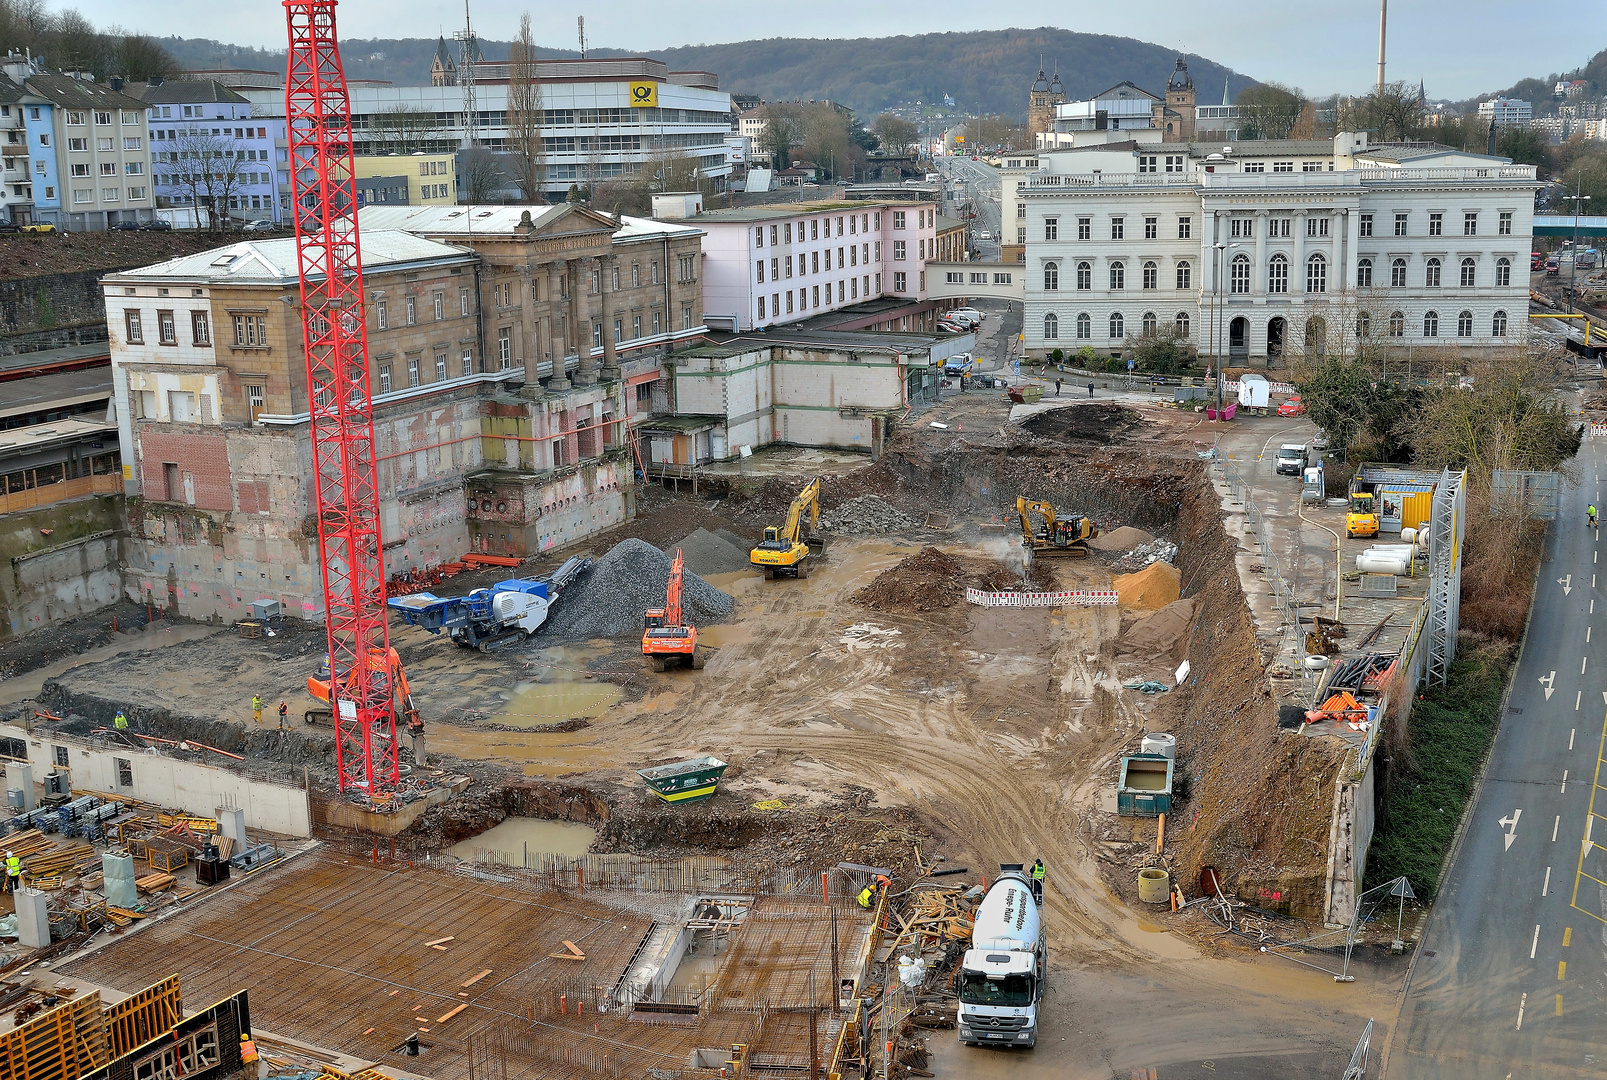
<point>256,708</point>
<point>867,895</point>
<point>120,722</point>
<point>13,872</point>
<point>1038,874</point>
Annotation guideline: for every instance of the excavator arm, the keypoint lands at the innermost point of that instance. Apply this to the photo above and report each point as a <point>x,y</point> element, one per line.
<point>672,596</point>
<point>1026,508</point>
<point>808,499</point>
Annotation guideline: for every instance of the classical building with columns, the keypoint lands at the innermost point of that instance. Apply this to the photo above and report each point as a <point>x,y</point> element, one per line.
<point>1266,249</point>
<point>512,352</point>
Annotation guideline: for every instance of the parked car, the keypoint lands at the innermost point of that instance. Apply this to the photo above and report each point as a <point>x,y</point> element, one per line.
<point>10,227</point>
<point>1293,407</point>
<point>39,227</point>
<point>123,226</point>
<point>984,235</point>
<point>959,364</point>
<point>259,227</point>
<point>157,226</point>
<point>970,314</point>
<point>952,327</point>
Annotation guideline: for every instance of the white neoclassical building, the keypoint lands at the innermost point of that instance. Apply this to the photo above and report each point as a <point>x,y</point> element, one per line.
<point>1270,248</point>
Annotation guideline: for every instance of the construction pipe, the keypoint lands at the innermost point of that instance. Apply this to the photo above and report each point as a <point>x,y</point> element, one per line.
<point>1160,835</point>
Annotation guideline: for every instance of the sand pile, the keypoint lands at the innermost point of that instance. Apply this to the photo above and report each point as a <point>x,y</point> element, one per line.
<point>609,600</point>
<point>708,552</point>
<point>1151,589</point>
<point>1157,636</point>
<point>1125,538</point>
<point>926,581</point>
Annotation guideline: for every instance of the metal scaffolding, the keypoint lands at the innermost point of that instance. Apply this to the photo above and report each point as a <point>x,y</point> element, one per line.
<point>1446,529</point>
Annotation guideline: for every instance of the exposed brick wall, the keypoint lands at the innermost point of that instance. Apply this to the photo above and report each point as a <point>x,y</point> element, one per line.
<point>203,461</point>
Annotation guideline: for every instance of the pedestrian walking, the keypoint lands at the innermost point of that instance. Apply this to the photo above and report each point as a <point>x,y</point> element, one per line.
<point>284,713</point>
<point>1590,516</point>
<point>1057,388</point>
<point>256,708</point>
<point>120,722</point>
<point>1090,388</point>
<point>1038,874</point>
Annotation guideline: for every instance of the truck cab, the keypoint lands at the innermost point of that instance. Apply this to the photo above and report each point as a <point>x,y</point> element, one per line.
<point>1001,975</point>
<point>1291,459</point>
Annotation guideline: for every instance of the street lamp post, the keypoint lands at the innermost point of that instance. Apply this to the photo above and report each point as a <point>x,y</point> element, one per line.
<point>1220,255</point>
<point>1573,266</point>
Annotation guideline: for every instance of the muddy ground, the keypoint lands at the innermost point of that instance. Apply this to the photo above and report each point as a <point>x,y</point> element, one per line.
<point>885,735</point>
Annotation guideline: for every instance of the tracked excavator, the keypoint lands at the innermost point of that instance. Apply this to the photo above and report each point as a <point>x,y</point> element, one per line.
<point>786,550</point>
<point>1046,534</point>
<point>388,689</point>
<point>666,639</point>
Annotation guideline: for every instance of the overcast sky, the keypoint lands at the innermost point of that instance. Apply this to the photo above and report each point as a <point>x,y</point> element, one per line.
<point>1459,48</point>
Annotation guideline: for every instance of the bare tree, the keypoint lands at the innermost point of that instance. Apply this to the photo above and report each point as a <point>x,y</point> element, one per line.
<point>480,175</point>
<point>23,24</point>
<point>137,57</point>
<point>896,133</point>
<point>207,174</point>
<point>1269,110</point>
<point>401,129</point>
<point>1394,115</point>
<point>525,114</point>
<point>783,130</point>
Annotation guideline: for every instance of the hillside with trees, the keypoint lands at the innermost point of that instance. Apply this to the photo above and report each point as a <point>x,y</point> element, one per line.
<point>1537,91</point>
<point>984,71</point>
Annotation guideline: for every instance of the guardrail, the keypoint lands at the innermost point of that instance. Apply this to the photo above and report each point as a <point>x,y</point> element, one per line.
<point>1096,598</point>
<point>35,497</point>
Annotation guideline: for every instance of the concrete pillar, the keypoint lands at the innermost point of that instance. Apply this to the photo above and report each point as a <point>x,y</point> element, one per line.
<point>1259,275</point>
<point>1352,241</point>
<point>118,885</point>
<point>610,369</point>
<point>33,918</point>
<point>596,311</point>
<point>530,326</point>
<point>19,777</point>
<point>1297,286</point>
<point>232,823</point>
<point>557,323</point>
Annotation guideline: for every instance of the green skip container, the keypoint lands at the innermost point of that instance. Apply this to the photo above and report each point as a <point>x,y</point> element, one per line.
<point>684,781</point>
<point>1145,789</point>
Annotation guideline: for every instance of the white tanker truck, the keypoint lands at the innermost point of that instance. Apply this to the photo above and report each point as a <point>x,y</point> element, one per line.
<point>1002,974</point>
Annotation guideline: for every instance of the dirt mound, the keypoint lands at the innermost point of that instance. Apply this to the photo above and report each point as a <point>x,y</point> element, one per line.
<point>866,514</point>
<point>1157,636</point>
<point>708,552</point>
<point>926,581</point>
<point>609,600</point>
<point>1100,422</point>
<point>1152,588</point>
<point>1125,538</point>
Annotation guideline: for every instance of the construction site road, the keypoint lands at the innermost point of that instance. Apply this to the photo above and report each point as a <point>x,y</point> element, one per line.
<point>1510,978</point>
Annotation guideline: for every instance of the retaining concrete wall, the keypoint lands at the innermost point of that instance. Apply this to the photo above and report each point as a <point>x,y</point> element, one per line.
<point>190,786</point>
<point>59,562</point>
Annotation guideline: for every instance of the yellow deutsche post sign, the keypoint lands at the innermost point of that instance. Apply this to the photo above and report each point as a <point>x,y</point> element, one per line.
<point>644,95</point>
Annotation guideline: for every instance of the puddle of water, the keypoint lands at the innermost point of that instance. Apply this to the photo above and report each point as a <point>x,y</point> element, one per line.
<point>1151,927</point>
<point>539,704</point>
<point>733,582</point>
<point>517,836</point>
<point>724,634</point>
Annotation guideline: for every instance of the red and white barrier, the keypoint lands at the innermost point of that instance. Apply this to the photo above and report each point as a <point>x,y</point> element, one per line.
<point>1598,429</point>
<point>1079,598</point>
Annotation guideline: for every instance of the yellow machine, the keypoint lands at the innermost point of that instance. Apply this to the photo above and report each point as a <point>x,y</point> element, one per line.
<point>1362,520</point>
<point>1053,535</point>
<point>786,550</point>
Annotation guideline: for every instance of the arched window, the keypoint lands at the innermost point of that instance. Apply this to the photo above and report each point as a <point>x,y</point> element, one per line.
<point>1469,273</point>
<point>1182,323</point>
<point>1397,324</point>
<point>1431,274</point>
<point>1503,272</point>
<point>1431,324</point>
<point>1397,274</point>
<point>1118,275</point>
<point>1051,325</point>
<point>1364,274</point>
<point>1085,276</point>
<point>1278,274</point>
<point>1051,276</point>
<point>1239,279</point>
<point>1183,276</point>
<point>1151,276</point>
<point>1498,325</point>
<point>1364,325</point>
<point>1085,326</point>
<point>1464,324</point>
<point>1116,325</point>
<point>1150,323</point>
<point>1317,274</point>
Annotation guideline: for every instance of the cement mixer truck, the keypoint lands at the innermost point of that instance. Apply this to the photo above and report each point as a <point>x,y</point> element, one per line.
<point>1001,977</point>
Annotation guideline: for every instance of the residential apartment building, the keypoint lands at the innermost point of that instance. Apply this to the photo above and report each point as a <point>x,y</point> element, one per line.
<point>16,168</point>
<point>89,147</point>
<point>416,179</point>
<point>1417,245</point>
<point>769,266</point>
<point>1506,112</point>
<point>1012,211</point>
<point>209,152</point>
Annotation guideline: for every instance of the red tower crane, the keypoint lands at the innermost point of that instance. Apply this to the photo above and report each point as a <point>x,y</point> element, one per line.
<point>334,333</point>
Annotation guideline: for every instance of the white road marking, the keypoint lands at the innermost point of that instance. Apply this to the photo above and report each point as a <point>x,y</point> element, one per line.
<point>1578,694</point>
<point>1566,581</point>
<point>1535,944</point>
<point>1524,1000</point>
<point>1587,633</point>
<point>1546,681</point>
<point>1564,790</point>
<point>1554,825</point>
<point>1510,827</point>
<point>1572,732</point>
<point>1583,660</point>
<point>1546,887</point>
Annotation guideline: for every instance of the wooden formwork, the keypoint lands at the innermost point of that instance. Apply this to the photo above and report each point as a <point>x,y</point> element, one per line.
<point>66,1041</point>
<point>137,1020</point>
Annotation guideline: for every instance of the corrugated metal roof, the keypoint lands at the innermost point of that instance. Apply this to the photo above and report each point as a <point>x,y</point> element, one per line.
<point>266,262</point>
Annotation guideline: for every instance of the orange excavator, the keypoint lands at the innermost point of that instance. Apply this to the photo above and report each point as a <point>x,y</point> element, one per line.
<point>666,640</point>
<point>389,682</point>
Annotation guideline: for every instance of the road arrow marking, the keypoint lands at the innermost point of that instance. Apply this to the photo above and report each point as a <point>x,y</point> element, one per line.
<point>1547,680</point>
<point>1511,826</point>
<point>1566,581</point>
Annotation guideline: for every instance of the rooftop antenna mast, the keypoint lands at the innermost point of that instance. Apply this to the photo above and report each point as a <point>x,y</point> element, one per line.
<point>468,53</point>
<point>580,20</point>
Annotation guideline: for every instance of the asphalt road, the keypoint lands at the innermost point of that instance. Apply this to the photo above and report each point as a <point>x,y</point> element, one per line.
<point>1511,974</point>
<point>978,182</point>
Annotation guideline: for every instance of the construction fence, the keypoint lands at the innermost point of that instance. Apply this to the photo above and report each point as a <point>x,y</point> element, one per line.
<point>1095,598</point>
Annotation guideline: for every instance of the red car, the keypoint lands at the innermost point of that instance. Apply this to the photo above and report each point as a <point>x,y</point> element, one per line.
<point>1293,407</point>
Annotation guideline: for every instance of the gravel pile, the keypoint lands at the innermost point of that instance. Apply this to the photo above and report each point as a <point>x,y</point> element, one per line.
<point>632,577</point>
<point>708,552</point>
<point>866,514</point>
<point>1144,554</point>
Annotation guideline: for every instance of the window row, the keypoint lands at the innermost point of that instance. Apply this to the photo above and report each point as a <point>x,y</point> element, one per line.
<point>1400,220</point>
<point>1467,278</point>
<point>1149,275</point>
<point>811,296</point>
<point>167,332</point>
<point>810,262</point>
<point>1149,325</point>
<point>1118,227</point>
<point>1395,325</point>
<point>781,233</point>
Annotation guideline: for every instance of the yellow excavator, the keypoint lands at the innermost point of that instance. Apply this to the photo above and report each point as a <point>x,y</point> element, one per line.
<point>1052,535</point>
<point>786,550</point>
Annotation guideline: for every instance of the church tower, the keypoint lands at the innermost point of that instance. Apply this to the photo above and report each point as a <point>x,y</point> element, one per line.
<point>443,69</point>
<point>1040,106</point>
<point>1179,101</point>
